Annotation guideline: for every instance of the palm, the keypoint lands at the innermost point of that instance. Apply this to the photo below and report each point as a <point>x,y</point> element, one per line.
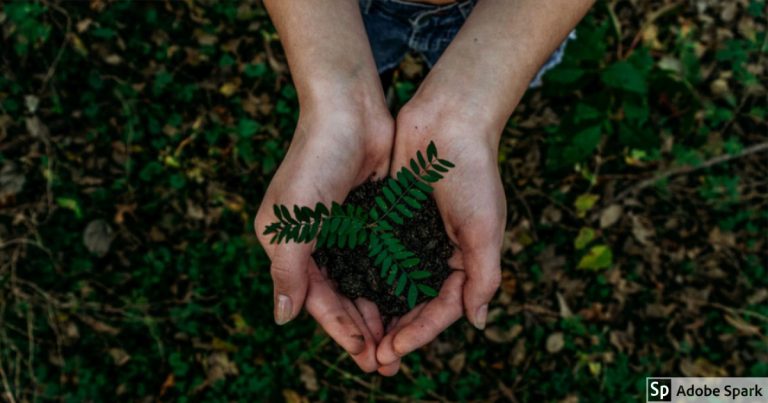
<point>325,161</point>
<point>472,205</point>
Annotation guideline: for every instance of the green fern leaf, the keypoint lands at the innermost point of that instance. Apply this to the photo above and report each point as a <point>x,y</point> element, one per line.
<point>272,228</point>
<point>422,162</point>
<point>298,213</point>
<point>335,222</point>
<point>304,234</point>
<point>413,294</point>
<point>396,218</point>
<point>287,215</point>
<point>447,163</point>
<point>404,254</point>
<point>427,290</point>
<point>401,282</point>
<point>313,232</point>
<point>380,258</point>
<point>380,203</point>
<point>412,202</point>
<point>336,209</point>
<point>388,194</point>
<point>408,263</point>
<point>282,236</point>
<point>387,263</point>
<point>320,210</point>
<point>424,187</point>
<point>373,251</point>
<point>414,167</point>
<point>417,194</point>
<point>440,168</point>
<point>394,186</point>
<point>392,276</point>
<point>278,213</point>
<point>385,226</point>
<point>404,179</point>
<point>404,210</point>
<point>344,226</point>
<point>419,274</point>
<point>431,150</point>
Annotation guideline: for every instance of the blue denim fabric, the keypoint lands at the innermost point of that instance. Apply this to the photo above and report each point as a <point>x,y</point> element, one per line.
<point>395,27</point>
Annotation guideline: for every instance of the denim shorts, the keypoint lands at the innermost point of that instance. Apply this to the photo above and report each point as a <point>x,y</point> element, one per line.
<point>395,27</point>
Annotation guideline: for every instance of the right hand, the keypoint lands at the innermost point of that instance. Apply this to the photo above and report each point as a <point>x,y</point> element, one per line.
<point>335,148</point>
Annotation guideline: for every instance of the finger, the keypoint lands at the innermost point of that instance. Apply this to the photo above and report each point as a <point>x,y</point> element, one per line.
<point>334,316</point>
<point>436,316</point>
<point>483,268</point>
<point>289,275</point>
<point>385,353</point>
<point>366,359</point>
<point>371,316</point>
<point>391,369</point>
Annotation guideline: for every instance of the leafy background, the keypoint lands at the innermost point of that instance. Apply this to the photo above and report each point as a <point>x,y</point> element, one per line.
<point>137,138</point>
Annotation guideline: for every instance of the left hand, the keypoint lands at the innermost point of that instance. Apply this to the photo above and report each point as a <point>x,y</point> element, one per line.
<point>473,208</point>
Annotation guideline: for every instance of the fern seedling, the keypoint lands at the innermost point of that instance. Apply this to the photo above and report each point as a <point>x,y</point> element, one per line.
<point>349,226</point>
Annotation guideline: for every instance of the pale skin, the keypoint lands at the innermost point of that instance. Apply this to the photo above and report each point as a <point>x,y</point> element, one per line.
<point>345,136</point>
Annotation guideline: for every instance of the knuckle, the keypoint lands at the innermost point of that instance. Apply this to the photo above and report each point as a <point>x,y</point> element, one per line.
<point>280,276</point>
<point>494,280</point>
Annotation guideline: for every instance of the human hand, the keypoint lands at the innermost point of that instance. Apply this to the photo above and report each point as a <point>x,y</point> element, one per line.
<point>473,208</point>
<point>335,148</point>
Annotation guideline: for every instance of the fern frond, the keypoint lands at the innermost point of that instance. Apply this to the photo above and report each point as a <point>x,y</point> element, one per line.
<point>337,227</point>
<point>391,256</point>
<point>403,194</point>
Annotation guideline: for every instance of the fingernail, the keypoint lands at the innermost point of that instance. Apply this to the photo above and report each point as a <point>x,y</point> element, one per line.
<point>283,311</point>
<point>480,316</point>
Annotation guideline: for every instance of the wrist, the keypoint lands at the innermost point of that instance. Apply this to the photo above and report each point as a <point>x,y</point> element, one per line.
<point>433,115</point>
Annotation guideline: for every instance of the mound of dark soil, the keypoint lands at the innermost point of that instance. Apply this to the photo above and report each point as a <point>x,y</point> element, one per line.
<point>355,273</point>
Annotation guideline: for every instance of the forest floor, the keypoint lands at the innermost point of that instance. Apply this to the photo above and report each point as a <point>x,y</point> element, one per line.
<point>137,139</point>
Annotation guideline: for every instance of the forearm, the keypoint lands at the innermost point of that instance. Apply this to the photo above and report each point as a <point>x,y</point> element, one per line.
<point>488,66</point>
<point>327,49</point>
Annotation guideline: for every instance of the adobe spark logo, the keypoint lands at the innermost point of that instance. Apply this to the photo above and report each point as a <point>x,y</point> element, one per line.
<point>658,389</point>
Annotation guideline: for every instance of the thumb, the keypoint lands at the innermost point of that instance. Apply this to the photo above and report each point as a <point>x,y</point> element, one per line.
<point>289,275</point>
<point>483,269</point>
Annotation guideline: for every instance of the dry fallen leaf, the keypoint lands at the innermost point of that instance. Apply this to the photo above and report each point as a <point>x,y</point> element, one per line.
<point>97,237</point>
<point>228,89</point>
<point>308,377</point>
<point>291,396</point>
<point>119,356</point>
<point>36,127</point>
<point>642,230</point>
<point>610,215</point>
<point>565,310</point>
<point>11,180</point>
<point>555,342</point>
<point>457,362</point>
<point>499,335</point>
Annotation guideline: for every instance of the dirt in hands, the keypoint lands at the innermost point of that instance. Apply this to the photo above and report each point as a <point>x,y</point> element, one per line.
<point>355,273</point>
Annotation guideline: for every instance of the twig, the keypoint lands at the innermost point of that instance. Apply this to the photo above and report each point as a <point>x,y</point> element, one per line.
<point>356,379</point>
<point>734,311</point>
<point>8,393</point>
<point>527,210</point>
<point>648,23</point>
<point>616,27</point>
<point>688,169</point>
<point>407,373</point>
<point>52,68</point>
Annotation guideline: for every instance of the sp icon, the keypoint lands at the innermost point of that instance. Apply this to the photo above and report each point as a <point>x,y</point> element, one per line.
<point>658,389</point>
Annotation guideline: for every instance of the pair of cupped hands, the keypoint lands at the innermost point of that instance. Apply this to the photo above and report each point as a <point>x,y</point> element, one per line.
<point>339,145</point>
